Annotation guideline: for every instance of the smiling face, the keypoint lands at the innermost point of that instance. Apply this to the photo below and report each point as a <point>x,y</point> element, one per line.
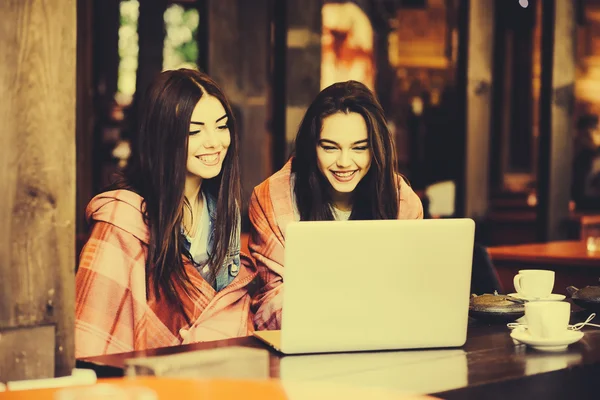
<point>209,138</point>
<point>343,153</point>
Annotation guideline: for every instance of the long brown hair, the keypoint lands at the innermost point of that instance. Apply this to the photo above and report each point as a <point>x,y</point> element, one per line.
<point>376,195</point>
<point>157,172</point>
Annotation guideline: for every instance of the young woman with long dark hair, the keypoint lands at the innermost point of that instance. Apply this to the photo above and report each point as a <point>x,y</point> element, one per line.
<point>162,266</point>
<point>344,167</point>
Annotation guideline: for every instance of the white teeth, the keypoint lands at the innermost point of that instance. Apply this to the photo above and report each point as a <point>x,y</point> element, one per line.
<point>209,158</point>
<point>344,174</point>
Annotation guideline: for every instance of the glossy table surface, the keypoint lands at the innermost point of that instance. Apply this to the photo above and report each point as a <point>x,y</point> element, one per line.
<point>489,365</point>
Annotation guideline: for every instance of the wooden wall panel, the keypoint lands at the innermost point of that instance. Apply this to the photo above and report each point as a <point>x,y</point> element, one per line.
<point>556,119</point>
<point>244,74</point>
<point>302,63</point>
<point>37,171</point>
<point>479,104</point>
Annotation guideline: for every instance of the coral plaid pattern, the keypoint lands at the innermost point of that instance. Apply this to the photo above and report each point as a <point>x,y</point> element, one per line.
<point>270,211</point>
<point>112,313</point>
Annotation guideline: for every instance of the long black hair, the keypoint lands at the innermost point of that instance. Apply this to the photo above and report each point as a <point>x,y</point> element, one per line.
<point>376,195</point>
<point>157,171</point>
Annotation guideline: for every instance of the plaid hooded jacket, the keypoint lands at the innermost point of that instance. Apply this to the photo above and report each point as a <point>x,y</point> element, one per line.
<point>112,311</point>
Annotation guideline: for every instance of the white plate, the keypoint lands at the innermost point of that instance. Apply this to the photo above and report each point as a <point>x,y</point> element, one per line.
<point>552,297</point>
<point>521,334</point>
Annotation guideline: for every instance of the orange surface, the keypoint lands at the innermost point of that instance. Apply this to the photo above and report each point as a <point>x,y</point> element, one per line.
<point>179,389</point>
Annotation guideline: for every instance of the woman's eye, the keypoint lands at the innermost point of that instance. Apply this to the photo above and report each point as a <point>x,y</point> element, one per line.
<point>223,127</point>
<point>192,133</point>
<point>361,148</point>
<point>329,148</point>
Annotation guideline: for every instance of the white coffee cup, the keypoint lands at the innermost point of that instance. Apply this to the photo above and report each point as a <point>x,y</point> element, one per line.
<point>534,283</point>
<point>547,319</point>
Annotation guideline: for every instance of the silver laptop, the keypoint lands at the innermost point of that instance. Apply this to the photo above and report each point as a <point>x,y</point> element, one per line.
<point>375,285</point>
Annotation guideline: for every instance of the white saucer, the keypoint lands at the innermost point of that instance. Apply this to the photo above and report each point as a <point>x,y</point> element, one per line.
<point>552,297</point>
<point>521,334</point>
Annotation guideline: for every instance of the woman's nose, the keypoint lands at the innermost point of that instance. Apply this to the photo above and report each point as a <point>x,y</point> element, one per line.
<point>344,159</point>
<point>211,139</point>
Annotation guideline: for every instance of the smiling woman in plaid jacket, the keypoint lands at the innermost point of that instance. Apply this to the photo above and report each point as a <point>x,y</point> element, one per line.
<point>163,266</point>
<point>344,167</point>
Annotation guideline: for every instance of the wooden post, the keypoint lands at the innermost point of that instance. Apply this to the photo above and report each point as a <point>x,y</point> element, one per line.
<point>151,31</point>
<point>302,62</point>
<point>479,103</point>
<point>556,111</point>
<point>255,150</point>
<point>385,72</point>
<point>244,76</point>
<point>202,34</point>
<point>37,171</point>
<point>278,78</point>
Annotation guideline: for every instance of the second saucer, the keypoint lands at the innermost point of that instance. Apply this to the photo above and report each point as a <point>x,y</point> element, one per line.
<point>560,343</point>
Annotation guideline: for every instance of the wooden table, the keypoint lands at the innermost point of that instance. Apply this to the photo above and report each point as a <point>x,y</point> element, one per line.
<point>570,260</point>
<point>489,366</point>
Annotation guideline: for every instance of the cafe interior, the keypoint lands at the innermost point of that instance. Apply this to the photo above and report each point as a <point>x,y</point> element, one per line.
<point>493,106</point>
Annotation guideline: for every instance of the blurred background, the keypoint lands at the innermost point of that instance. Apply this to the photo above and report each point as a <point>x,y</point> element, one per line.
<point>468,89</point>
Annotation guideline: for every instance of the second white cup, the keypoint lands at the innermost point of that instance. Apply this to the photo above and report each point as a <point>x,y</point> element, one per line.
<point>547,319</point>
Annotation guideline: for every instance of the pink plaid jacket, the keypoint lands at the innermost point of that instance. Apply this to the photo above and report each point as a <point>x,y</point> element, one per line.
<point>112,313</point>
<point>270,211</point>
